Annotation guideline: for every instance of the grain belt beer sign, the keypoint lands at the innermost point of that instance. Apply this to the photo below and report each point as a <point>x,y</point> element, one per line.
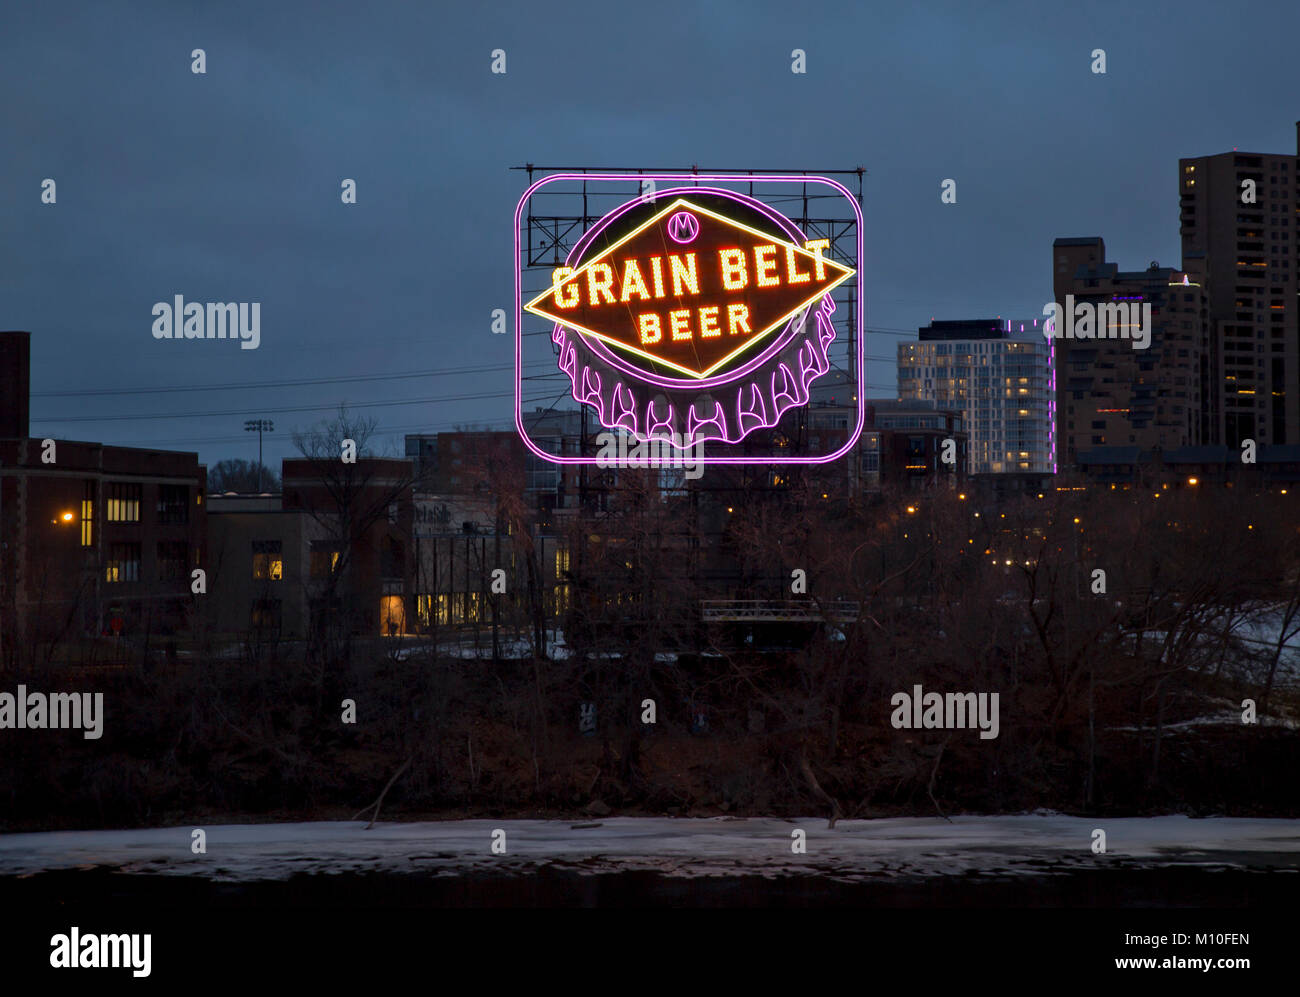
<point>696,314</point>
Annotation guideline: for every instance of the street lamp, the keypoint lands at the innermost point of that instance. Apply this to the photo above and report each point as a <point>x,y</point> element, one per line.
<point>259,426</point>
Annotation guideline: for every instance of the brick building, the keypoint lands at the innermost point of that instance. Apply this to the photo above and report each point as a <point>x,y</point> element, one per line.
<point>94,539</point>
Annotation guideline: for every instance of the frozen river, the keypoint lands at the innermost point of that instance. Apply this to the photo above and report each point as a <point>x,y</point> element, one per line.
<point>896,848</point>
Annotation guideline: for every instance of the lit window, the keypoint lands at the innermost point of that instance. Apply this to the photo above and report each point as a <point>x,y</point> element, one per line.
<point>123,564</point>
<point>324,559</point>
<point>392,615</point>
<point>267,562</point>
<point>88,516</point>
<point>123,503</point>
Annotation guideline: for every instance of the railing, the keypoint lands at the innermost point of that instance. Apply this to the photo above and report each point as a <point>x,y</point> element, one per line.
<point>777,611</point>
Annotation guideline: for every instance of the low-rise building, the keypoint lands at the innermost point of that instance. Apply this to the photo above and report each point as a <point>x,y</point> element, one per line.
<point>95,540</point>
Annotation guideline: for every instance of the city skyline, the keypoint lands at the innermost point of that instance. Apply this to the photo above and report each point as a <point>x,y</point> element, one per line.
<point>208,220</point>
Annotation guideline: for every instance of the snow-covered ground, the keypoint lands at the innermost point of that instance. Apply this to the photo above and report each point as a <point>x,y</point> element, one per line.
<point>1031,844</point>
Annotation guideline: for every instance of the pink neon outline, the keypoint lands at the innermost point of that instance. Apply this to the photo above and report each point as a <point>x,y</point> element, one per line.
<point>703,459</point>
<point>689,218</point>
<point>1051,422</point>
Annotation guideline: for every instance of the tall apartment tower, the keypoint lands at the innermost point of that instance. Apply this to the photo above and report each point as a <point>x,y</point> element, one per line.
<point>1239,212</point>
<point>998,374</point>
<point>1109,393</point>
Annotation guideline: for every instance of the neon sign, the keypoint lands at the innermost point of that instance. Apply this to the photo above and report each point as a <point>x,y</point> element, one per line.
<point>697,314</point>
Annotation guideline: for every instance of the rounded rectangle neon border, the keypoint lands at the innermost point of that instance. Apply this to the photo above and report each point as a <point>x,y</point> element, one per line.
<point>690,178</point>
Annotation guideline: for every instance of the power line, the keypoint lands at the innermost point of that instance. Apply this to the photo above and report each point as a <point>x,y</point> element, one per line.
<point>278,410</point>
<point>256,385</point>
<point>400,429</point>
<point>380,430</point>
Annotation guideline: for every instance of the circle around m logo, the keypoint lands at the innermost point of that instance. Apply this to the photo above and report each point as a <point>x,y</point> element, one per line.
<point>683,227</point>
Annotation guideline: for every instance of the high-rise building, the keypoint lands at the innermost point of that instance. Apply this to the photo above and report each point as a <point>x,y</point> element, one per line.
<point>1239,212</point>
<point>1134,357</point>
<point>998,374</point>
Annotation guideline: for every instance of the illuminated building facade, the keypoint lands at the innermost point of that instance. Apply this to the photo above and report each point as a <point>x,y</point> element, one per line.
<point>264,562</point>
<point>333,553</point>
<point>908,437</point>
<point>1239,216</point>
<point>998,374</point>
<point>95,540</point>
<point>1109,393</point>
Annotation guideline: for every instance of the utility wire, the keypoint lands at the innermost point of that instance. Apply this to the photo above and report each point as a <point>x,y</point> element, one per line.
<point>257,385</point>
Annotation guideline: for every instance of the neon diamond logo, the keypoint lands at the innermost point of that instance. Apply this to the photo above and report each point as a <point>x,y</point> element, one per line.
<point>690,290</point>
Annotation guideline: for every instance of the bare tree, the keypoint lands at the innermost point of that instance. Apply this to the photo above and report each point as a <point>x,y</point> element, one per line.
<point>234,475</point>
<point>347,495</point>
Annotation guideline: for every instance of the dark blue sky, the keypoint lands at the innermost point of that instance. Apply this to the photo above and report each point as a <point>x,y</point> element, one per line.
<point>225,186</point>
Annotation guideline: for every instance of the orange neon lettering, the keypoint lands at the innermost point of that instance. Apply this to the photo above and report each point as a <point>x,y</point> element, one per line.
<point>651,331</point>
<point>734,277</point>
<point>709,322</point>
<point>600,278</point>
<point>762,266</point>
<point>565,297</point>
<point>685,275</point>
<point>680,325</point>
<point>737,317</point>
<point>817,245</point>
<point>792,274</point>
<point>633,282</point>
